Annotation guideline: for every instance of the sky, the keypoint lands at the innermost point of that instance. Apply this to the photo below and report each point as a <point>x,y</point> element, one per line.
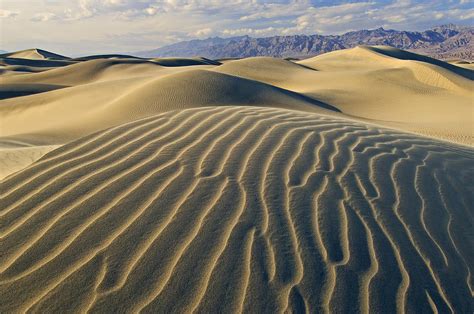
<point>82,27</point>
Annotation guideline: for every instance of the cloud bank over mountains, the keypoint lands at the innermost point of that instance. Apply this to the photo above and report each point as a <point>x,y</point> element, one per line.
<point>93,26</point>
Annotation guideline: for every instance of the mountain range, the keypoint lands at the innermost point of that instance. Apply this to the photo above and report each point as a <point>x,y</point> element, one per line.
<point>443,42</point>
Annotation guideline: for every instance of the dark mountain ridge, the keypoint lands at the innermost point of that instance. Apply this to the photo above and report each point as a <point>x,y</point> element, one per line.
<point>446,42</point>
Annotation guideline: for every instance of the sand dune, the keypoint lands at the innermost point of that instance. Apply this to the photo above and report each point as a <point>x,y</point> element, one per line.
<point>410,95</point>
<point>343,79</point>
<point>463,64</point>
<point>340,183</point>
<point>30,65</point>
<point>241,209</point>
<point>35,54</point>
<point>90,71</point>
<point>406,55</point>
<point>97,106</point>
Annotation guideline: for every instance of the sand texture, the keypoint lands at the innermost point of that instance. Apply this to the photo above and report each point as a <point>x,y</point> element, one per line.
<point>337,184</point>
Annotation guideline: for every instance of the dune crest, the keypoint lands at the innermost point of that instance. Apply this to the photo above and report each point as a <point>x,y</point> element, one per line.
<point>240,209</point>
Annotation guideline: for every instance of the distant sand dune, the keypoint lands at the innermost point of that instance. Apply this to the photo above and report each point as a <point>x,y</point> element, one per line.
<point>429,97</point>
<point>35,63</point>
<point>90,71</point>
<point>406,55</point>
<point>34,54</point>
<point>80,110</point>
<point>241,209</point>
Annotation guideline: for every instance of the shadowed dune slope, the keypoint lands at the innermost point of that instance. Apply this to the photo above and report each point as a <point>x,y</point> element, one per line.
<point>161,61</point>
<point>7,70</point>
<point>39,63</point>
<point>107,56</point>
<point>241,209</point>
<point>17,90</point>
<point>176,62</point>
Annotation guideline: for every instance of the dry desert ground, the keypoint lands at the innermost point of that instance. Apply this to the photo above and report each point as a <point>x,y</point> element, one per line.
<point>341,183</point>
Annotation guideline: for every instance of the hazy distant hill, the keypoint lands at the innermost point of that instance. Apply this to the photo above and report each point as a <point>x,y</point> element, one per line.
<point>446,41</point>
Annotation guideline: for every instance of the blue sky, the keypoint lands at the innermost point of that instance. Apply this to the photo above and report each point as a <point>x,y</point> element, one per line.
<point>77,27</point>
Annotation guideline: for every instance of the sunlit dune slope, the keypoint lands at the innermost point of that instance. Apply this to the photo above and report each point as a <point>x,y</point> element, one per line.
<point>382,85</point>
<point>241,209</point>
<point>35,54</point>
<point>70,113</point>
<point>463,64</point>
<point>13,159</point>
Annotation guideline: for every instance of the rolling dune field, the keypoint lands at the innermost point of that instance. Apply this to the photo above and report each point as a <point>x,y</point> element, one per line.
<point>336,184</point>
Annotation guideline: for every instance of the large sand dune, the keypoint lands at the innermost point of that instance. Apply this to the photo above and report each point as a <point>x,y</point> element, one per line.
<point>241,208</point>
<point>340,183</point>
<point>430,97</point>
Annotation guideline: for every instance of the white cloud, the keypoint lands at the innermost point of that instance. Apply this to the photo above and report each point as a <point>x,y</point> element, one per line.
<point>203,32</point>
<point>274,10</point>
<point>132,25</point>
<point>8,14</point>
<point>250,31</point>
<point>397,4</point>
<point>44,17</point>
<point>398,18</point>
<point>467,15</point>
<point>151,10</point>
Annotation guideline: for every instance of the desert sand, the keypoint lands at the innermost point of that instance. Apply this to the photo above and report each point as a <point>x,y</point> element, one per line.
<point>339,183</point>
